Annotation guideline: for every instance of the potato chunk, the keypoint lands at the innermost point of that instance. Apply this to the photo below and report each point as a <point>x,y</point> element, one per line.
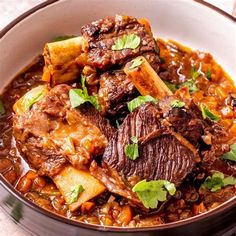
<point>70,177</point>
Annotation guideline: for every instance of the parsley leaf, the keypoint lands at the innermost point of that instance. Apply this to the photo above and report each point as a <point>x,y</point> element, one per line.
<point>150,193</point>
<point>217,181</point>
<point>136,62</point>
<point>208,74</point>
<point>206,113</point>
<point>75,193</point>
<point>177,104</point>
<point>2,109</point>
<point>131,150</point>
<point>231,155</point>
<point>131,41</point>
<point>171,86</point>
<point>62,38</point>
<point>194,73</point>
<point>80,96</point>
<point>140,100</point>
<point>192,87</point>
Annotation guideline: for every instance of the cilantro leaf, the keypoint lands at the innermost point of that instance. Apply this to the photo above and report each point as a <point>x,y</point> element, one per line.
<point>136,62</point>
<point>2,109</point>
<point>150,193</point>
<point>217,181</point>
<point>75,193</point>
<point>171,86</point>
<point>208,74</point>
<point>80,96</point>
<point>206,113</point>
<point>130,41</point>
<point>140,100</point>
<point>194,73</point>
<point>117,124</point>
<point>192,87</point>
<point>131,150</point>
<point>62,38</point>
<point>177,104</point>
<point>231,155</point>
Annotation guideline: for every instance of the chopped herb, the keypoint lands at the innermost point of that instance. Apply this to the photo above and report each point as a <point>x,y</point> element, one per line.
<point>62,38</point>
<point>150,193</point>
<point>131,150</point>
<point>117,124</point>
<point>194,73</point>
<point>177,104</point>
<point>136,62</point>
<point>231,155</point>
<point>80,96</point>
<point>206,113</point>
<point>208,74</point>
<point>140,100</point>
<point>131,41</point>
<point>171,86</point>
<point>162,60</point>
<point>2,109</point>
<point>192,87</point>
<point>75,193</point>
<point>217,181</point>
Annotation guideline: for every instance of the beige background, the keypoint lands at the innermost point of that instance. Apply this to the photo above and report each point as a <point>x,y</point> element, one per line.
<point>10,9</point>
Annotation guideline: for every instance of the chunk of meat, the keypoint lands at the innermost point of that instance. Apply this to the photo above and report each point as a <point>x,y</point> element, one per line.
<point>159,157</point>
<point>163,154</point>
<point>52,134</point>
<point>102,35</point>
<point>114,93</point>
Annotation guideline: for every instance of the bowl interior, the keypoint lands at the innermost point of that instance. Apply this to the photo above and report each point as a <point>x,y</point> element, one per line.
<point>187,22</point>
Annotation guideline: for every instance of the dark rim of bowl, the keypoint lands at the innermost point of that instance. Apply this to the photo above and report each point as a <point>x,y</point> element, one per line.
<point>223,207</point>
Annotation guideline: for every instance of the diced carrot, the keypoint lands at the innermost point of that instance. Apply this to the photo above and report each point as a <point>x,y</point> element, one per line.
<point>125,215</point>
<point>232,129</point>
<point>87,206</point>
<point>197,209</point>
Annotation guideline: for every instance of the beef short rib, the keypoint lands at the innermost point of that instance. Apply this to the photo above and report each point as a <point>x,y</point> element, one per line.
<point>52,134</point>
<point>102,35</point>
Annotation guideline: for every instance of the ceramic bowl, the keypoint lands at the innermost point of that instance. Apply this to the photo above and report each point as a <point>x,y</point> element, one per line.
<point>189,22</point>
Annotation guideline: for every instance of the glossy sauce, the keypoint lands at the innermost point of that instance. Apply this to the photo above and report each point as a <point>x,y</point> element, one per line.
<point>178,61</point>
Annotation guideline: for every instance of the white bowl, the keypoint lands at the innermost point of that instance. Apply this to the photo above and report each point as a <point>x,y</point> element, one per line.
<point>185,21</point>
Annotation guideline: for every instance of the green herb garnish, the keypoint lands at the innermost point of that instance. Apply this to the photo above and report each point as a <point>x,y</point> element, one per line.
<point>194,73</point>
<point>131,41</point>
<point>208,74</point>
<point>177,104</point>
<point>206,113</point>
<point>2,109</point>
<point>75,193</point>
<point>117,124</point>
<point>217,181</point>
<point>62,38</point>
<point>231,155</point>
<point>150,193</point>
<point>171,86</point>
<point>131,150</point>
<point>140,100</point>
<point>80,96</point>
<point>136,62</point>
<point>162,60</point>
<point>192,87</point>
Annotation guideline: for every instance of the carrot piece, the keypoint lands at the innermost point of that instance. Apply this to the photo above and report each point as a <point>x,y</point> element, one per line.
<point>87,206</point>
<point>197,209</point>
<point>125,215</point>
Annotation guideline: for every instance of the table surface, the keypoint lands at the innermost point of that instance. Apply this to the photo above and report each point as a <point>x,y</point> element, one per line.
<point>10,9</point>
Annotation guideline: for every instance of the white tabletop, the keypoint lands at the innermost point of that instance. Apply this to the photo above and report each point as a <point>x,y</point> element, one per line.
<point>10,9</point>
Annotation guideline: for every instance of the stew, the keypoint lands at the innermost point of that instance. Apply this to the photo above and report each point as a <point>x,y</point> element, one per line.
<point>118,129</point>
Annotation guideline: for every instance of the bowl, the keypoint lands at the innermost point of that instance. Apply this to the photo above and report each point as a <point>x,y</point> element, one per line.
<point>189,22</point>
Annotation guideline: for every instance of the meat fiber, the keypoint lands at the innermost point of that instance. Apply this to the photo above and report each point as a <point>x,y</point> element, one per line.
<point>102,35</point>
<point>114,93</point>
<point>52,134</point>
